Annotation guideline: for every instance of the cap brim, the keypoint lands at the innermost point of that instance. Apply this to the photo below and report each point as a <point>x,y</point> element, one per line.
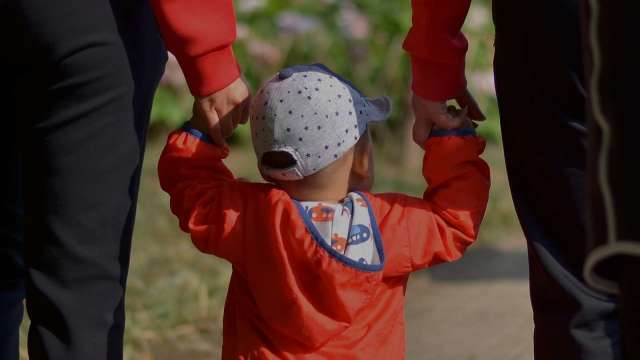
<point>381,108</point>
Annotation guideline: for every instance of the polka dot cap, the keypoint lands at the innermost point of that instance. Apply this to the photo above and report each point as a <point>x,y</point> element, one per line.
<point>314,115</point>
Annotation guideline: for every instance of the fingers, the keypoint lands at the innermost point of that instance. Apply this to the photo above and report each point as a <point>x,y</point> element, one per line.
<point>436,115</point>
<point>466,100</point>
<point>467,123</point>
<point>239,98</point>
<point>422,110</point>
<point>206,119</point>
<point>451,119</point>
<point>215,129</point>
<point>421,130</point>
<point>228,124</point>
<point>239,115</point>
<point>245,106</point>
<point>219,113</point>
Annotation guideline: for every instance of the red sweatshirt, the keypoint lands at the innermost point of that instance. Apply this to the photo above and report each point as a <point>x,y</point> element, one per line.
<point>291,298</point>
<point>200,33</point>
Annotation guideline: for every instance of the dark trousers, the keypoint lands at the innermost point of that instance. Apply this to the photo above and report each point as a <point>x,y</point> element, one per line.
<point>542,95</point>
<point>78,79</point>
<point>613,261</point>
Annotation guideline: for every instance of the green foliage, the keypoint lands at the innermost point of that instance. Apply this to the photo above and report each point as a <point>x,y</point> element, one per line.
<point>376,63</point>
<point>169,107</point>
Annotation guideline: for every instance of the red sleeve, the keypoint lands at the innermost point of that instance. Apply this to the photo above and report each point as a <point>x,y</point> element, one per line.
<point>204,196</point>
<point>437,48</point>
<point>200,33</point>
<point>419,233</point>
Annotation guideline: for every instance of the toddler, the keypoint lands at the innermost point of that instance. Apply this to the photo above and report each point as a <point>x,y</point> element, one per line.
<point>320,264</point>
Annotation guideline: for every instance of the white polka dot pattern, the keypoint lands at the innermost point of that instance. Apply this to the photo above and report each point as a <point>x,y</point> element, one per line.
<point>314,115</point>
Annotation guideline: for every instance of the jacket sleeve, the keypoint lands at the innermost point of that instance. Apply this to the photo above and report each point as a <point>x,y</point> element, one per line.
<point>200,33</point>
<point>440,226</point>
<point>207,200</point>
<point>437,48</point>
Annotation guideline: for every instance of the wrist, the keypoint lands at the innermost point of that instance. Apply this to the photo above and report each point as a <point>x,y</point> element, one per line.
<point>209,72</point>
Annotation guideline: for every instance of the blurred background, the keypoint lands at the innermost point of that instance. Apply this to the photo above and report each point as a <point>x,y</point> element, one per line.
<point>476,308</point>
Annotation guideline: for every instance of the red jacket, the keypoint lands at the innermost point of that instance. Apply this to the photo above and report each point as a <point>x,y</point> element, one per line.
<point>289,298</point>
<point>200,33</point>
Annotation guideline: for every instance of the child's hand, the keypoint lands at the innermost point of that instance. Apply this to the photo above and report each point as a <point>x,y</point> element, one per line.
<point>431,113</point>
<point>458,119</point>
<point>218,114</point>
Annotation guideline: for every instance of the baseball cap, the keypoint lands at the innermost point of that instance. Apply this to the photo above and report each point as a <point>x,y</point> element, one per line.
<point>312,114</point>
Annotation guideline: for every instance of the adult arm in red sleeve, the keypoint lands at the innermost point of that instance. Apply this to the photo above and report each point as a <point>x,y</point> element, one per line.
<point>437,48</point>
<point>200,33</point>
<point>419,233</point>
<point>209,203</point>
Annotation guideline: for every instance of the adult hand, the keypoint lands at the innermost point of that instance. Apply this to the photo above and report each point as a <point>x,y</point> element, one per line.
<point>435,114</point>
<point>219,113</point>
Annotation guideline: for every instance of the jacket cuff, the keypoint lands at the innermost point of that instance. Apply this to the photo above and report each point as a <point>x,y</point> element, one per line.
<point>455,132</point>
<point>209,72</point>
<point>196,133</point>
<point>195,140</point>
<point>458,136</point>
<point>437,81</point>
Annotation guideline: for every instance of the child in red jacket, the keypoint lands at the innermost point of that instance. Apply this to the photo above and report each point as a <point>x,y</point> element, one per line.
<point>320,264</point>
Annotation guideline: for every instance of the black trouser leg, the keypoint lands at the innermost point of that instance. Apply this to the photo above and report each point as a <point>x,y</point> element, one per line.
<point>539,82</point>
<point>613,262</point>
<point>83,84</point>
<point>11,247</point>
<point>630,307</point>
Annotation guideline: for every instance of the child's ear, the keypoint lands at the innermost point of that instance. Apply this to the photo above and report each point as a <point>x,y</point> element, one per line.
<point>362,159</point>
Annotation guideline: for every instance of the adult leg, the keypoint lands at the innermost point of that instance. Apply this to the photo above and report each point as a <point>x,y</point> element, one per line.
<point>147,58</point>
<point>11,245</point>
<point>82,147</point>
<point>630,307</point>
<point>613,263</point>
<point>539,81</point>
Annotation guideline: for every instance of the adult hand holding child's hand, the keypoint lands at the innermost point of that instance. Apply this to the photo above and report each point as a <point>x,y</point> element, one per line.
<point>430,115</point>
<point>218,114</point>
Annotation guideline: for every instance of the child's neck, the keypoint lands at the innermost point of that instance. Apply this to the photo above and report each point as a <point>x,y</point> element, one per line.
<point>330,184</point>
<point>328,194</point>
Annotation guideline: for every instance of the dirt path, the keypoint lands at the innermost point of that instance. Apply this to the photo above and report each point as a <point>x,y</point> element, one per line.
<point>474,309</point>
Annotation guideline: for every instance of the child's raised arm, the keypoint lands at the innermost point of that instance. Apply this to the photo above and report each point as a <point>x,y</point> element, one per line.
<point>419,233</point>
<point>204,195</point>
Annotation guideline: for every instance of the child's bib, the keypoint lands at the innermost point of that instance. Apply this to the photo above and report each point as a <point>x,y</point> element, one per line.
<point>345,226</point>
